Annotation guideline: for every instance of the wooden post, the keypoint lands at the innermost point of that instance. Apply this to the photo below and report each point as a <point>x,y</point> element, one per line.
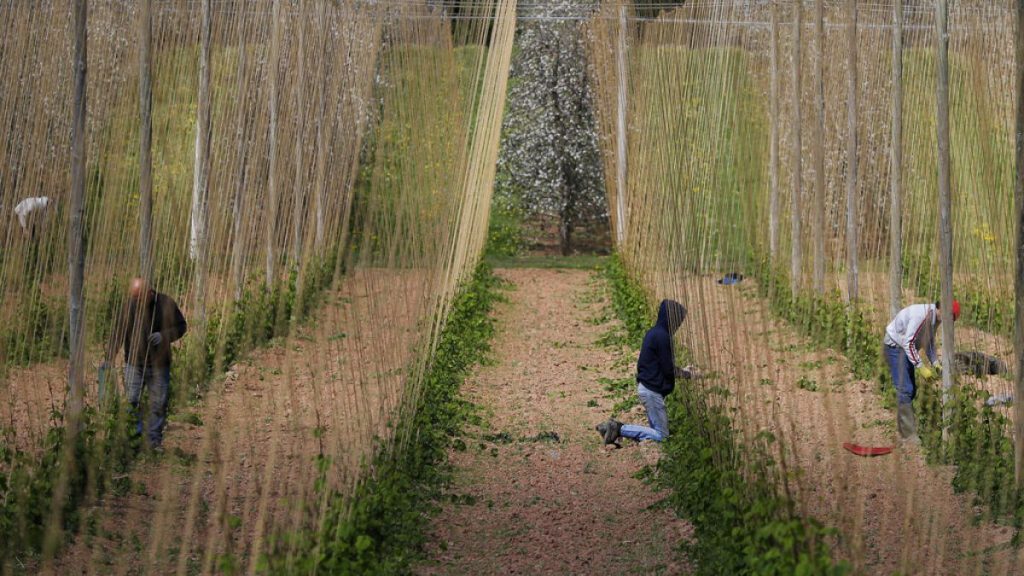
<point>321,144</point>
<point>300,121</point>
<point>242,140</point>
<point>851,160</point>
<point>145,139</point>
<point>819,149</point>
<point>201,177</point>
<point>796,256</point>
<point>1018,334</point>
<point>773,201</point>
<point>896,173</point>
<point>620,133</point>
<point>271,212</point>
<point>945,205</point>
<point>76,233</point>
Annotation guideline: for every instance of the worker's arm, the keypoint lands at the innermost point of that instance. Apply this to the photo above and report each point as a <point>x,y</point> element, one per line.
<point>177,326</point>
<point>666,361</point>
<point>909,340</point>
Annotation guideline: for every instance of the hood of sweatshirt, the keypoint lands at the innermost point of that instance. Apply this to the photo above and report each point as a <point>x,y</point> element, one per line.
<point>671,315</point>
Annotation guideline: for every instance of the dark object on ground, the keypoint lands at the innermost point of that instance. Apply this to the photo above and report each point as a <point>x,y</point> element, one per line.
<point>730,279</point>
<point>610,431</point>
<point>867,451</point>
<point>978,364</point>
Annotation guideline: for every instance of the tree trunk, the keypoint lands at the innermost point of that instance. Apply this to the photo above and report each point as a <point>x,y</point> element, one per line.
<point>796,256</point>
<point>945,204</point>
<point>271,208</point>
<point>852,279</point>
<point>145,140</point>
<point>819,149</point>
<point>773,202</point>
<point>896,175</point>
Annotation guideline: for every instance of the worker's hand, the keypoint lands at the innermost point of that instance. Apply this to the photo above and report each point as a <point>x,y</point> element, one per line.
<point>155,339</point>
<point>926,373</point>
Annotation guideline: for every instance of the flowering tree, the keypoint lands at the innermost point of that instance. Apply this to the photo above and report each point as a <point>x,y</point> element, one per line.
<point>549,159</point>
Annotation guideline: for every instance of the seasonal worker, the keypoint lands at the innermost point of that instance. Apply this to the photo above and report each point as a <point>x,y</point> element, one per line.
<point>148,324</point>
<point>912,330</point>
<point>655,378</point>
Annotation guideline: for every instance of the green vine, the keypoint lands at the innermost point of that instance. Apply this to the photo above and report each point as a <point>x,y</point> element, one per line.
<point>745,523</point>
<point>379,528</point>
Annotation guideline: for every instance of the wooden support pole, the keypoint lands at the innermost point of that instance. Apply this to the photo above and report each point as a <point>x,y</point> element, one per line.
<point>242,140</point>
<point>145,139</point>
<point>76,225</point>
<point>773,200</point>
<point>852,239</point>
<point>819,149</point>
<point>201,176</point>
<point>1018,333</point>
<point>945,204</point>
<point>299,192</point>
<point>271,208</point>
<point>620,133</point>
<point>321,136</point>
<point>796,255</point>
<point>896,169</point>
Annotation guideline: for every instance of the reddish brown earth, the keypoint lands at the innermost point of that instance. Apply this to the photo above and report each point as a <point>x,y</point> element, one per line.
<point>895,513</point>
<point>536,507</point>
<point>242,471</point>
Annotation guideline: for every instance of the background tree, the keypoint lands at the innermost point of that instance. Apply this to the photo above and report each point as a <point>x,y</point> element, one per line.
<point>549,159</point>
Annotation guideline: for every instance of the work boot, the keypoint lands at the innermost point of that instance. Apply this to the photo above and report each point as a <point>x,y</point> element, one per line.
<point>602,429</point>
<point>611,433</point>
<point>906,424</point>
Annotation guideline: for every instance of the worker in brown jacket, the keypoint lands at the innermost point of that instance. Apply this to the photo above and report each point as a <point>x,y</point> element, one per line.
<point>148,324</point>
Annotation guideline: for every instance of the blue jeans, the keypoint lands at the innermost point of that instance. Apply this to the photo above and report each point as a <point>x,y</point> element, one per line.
<point>157,380</point>
<point>657,416</point>
<point>902,372</point>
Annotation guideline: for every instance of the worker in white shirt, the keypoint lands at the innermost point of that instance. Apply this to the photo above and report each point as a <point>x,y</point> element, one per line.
<point>30,213</point>
<point>913,329</point>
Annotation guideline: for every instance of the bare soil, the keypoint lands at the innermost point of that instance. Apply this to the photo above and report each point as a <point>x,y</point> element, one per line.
<point>241,468</point>
<point>895,513</point>
<point>521,505</point>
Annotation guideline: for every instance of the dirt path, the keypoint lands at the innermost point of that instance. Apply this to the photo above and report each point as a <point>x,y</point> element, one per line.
<point>526,505</point>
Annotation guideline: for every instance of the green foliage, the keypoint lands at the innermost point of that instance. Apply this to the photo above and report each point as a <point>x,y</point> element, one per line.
<point>94,464</point>
<point>379,528</point>
<point>827,320</point>
<point>730,491</point>
<point>977,444</point>
<point>629,301</point>
<point>37,334</point>
<point>505,229</point>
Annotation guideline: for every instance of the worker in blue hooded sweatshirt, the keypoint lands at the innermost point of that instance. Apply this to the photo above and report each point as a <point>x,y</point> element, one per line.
<point>655,378</point>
